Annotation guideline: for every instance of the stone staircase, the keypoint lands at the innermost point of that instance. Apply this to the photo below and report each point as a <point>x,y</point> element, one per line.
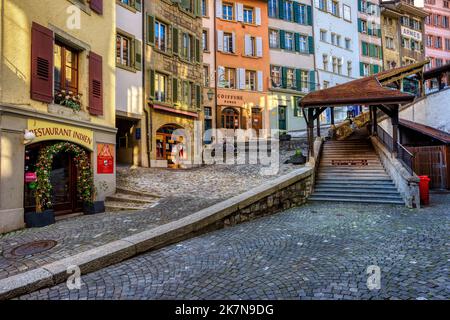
<point>350,171</point>
<point>128,200</point>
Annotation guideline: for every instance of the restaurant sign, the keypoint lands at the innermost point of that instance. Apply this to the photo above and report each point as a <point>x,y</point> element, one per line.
<point>45,131</point>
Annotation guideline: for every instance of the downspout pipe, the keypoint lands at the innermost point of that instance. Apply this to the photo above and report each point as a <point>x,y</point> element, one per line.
<point>144,70</point>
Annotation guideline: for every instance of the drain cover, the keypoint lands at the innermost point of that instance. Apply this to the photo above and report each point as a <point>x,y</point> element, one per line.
<point>33,247</point>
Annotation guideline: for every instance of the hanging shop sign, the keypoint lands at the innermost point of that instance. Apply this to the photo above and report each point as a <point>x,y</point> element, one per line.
<point>105,158</point>
<point>45,131</point>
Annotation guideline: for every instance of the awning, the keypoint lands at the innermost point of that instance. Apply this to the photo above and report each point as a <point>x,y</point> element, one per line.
<point>426,130</point>
<point>365,91</point>
<point>436,72</point>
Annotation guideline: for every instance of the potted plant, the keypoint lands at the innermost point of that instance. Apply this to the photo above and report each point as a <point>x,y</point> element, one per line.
<point>69,99</point>
<point>42,217</point>
<point>93,207</point>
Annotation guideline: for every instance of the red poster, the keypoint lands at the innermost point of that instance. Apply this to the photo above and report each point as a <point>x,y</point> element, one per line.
<point>105,158</point>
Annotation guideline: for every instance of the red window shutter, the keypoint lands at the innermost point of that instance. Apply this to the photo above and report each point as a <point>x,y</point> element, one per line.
<point>95,84</point>
<point>97,6</point>
<point>41,63</point>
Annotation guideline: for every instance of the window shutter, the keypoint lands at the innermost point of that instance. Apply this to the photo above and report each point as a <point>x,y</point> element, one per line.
<point>240,12</point>
<point>220,76</point>
<point>247,45</point>
<point>233,38</point>
<point>152,83</point>
<point>198,8</point>
<point>281,9</point>
<point>376,69</point>
<point>219,9</point>
<point>296,12</point>
<point>219,40</point>
<point>298,78</point>
<point>175,99</point>
<point>197,51</point>
<point>360,5</point>
<point>198,96</point>
<point>282,39</point>
<point>151,30</point>
<point>138,5</point>
<point>284,77</point>
<point>309,15</point>
<point>312,80</point>
<point>96,6</point>
<point>361,69</point>
<point>260,81</point>
<point>138,55</point>
<point>259,47</point>
<point>258,16</point>
<point>311,44</point>
<point>297,42</point>
<point>241,74</point>
<point>359,25</point>
<point>41,63</point>
<point>175,41</point>
<point>95,84</point>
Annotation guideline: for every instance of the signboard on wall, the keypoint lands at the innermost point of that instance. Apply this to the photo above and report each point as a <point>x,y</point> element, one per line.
<point>416,35</point>
<point>46,130</point>
<point>105,158</point>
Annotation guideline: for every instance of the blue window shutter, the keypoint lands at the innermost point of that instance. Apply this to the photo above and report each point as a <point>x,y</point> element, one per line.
<point>311,44</point>
<point>376,68</point>
<point>359,25</point>
<point>360,5</point>
<point>312,80</point>
<point>281,9</point>
<point>309,15</point>
<point>361,69</point>
<point>296,12</point>
<point>297,42</point>
<point>284,77</point>
<point>282,39</point>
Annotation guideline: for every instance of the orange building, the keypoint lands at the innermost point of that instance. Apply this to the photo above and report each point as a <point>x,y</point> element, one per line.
<point>243,64</point>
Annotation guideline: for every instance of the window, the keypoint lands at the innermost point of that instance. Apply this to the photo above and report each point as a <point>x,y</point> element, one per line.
<point>250,80</point>
<point>323,5</point>
<point>302,15</point>
<point>439,62</point>
<point>204,8</point>
<point>289,41</point>
<point>65,68</point>
<point>349,68</point>
<point>347,43</point>
<point>160,36</point>
<point>205,40</point>
<point>160,87</point>
<point>366,69</point>
<point>276,76</point>
<point>363,26</point>
<point>248,15</point>
<point>228,42</point>
<point>186,92</point>
<point>347,13</point>
<point>290,78</point>
<point>206,78</point>
<point>227,11</point>
<point>273,8</point>
<point>335,64</point>
<point>323,35</point>
<point>340,61</point>
<point>335,8</point>
<point>303,43</point>
<point>288,10</point>
<point>390,43</point>
<point>274,39</point>
<point>187,47</point>
<point>252,49</point>
<point>325,62</point>
<point>338,40</point>
<point>438,42</point>
<point>123,50</point>
<point>447,44</point>
<point>230,78</point>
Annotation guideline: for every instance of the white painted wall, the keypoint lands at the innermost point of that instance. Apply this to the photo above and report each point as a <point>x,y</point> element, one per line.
<point>129,92</point>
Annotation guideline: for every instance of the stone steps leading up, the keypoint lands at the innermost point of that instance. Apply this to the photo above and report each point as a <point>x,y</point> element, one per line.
<point>130,200</point>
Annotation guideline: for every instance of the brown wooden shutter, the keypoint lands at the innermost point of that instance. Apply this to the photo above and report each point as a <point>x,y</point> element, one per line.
<point>95,84</point>
<point>97,6</point>
<point>41,63</point>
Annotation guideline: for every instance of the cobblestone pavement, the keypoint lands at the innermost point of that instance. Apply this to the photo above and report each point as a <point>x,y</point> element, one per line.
<point>184,192</point>
<point>317,251</point>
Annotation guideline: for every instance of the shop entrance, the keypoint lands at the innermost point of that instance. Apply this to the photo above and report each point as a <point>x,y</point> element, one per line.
<point>127,135</point>
<point>230,119</point>
<point>257,120</point>
<point>63,177</point>
<point>166,146</point>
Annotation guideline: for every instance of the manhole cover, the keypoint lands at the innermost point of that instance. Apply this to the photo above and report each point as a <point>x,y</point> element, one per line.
<point>33,247</point>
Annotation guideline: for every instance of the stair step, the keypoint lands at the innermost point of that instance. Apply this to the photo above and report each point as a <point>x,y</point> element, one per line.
<point>356,181</point>
<point>336,199</point>
<point>353,176</point>
<point>333,191</point>
<point>131,198</point>
<point>356,195</point>
<point>136,193</point>
<point>344,186</point>
<point>110,207</point>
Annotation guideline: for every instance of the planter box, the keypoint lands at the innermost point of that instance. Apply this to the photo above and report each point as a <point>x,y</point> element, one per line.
<point>94,208</point>
<point>39,219</point>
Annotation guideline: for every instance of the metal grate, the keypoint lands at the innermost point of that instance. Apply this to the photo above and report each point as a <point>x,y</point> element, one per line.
<point>33,247</point>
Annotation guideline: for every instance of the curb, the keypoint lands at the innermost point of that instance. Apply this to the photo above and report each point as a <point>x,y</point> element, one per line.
<point>114,252</point>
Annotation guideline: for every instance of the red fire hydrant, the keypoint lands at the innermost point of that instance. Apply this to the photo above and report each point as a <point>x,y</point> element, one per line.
<point>424,187</point>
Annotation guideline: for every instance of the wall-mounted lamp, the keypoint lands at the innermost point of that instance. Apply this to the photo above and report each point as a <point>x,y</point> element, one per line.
<point>210,94</point>
<point>28,136</point>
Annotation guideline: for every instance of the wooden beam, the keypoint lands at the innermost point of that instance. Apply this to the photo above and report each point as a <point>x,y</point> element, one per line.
<point>319,112</point>
<point>387,110</point>
<point>332,115</point>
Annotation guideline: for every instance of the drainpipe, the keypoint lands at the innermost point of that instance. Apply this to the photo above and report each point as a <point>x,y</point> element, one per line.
<point>215,66</point>
<point>144,64</point>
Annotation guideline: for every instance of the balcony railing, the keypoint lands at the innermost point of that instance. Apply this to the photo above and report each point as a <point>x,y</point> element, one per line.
<point>302,86</point>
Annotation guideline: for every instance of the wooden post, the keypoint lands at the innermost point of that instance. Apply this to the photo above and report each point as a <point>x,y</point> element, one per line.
<point>394,121</point>
<point>318,124</point>
<point>370,120</point>
<point>375,120</point>
<point>311,131</point>
<point>421,85</point>
<point>332,115</point>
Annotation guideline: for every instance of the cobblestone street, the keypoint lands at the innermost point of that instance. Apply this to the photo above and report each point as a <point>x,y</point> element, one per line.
<point>183,192</point>
<point>317,251</point>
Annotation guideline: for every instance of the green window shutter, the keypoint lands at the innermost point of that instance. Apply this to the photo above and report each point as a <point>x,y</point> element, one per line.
<point>138,5</point>
<point>296,12</point>
<point>379,33</point>
<point>298,79</point>
<point>151,30</point>
<point>372,69</point>
<point>138,55</point>
<point>297,42</point>
<point>309,15</point>
<point>311,44</point>
<point>198,96</point>
<point>312,80</point>
<point>360,5</point>
<point>283,77</point>
<point>198,8</point>
<point>197,51</point>
<point>281,9</point>
<point>364,48</point>
<point>282,39</point>
<point>175,41</point>
<point>152,83</point>
<point>361,69</point>
<point>296,107</point>
<point>376,68</point>
<point>175,98</point>
<point>359,25</point>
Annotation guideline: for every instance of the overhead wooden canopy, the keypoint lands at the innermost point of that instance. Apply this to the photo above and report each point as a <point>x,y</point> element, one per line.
<point>365,91</point>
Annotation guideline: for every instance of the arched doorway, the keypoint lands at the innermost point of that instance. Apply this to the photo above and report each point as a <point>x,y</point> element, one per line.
<point>230,119</point>
<point>165,145</point>
<point>65,196</point>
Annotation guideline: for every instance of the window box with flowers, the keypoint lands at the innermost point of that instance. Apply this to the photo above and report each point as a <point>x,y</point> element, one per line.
<point>69,100</point>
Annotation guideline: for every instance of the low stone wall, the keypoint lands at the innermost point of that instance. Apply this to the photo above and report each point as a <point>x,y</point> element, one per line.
<point>407,184</point>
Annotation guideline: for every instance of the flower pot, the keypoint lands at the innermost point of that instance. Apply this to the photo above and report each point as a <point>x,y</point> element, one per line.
<point>94,208</point>
<point>39,219</point>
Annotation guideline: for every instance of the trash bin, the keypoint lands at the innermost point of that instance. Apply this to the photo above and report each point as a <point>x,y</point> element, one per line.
<point>424,187</point>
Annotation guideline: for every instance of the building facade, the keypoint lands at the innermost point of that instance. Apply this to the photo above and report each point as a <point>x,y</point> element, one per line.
<point>370,44</point>
<point>131,133</point>
<point>292,71</point>
<point>243,64</point>
<point>337,46</point>
<point>174,80</point>
<point>57,82</point>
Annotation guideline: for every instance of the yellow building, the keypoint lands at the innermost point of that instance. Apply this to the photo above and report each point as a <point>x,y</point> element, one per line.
<point>57,83</point>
